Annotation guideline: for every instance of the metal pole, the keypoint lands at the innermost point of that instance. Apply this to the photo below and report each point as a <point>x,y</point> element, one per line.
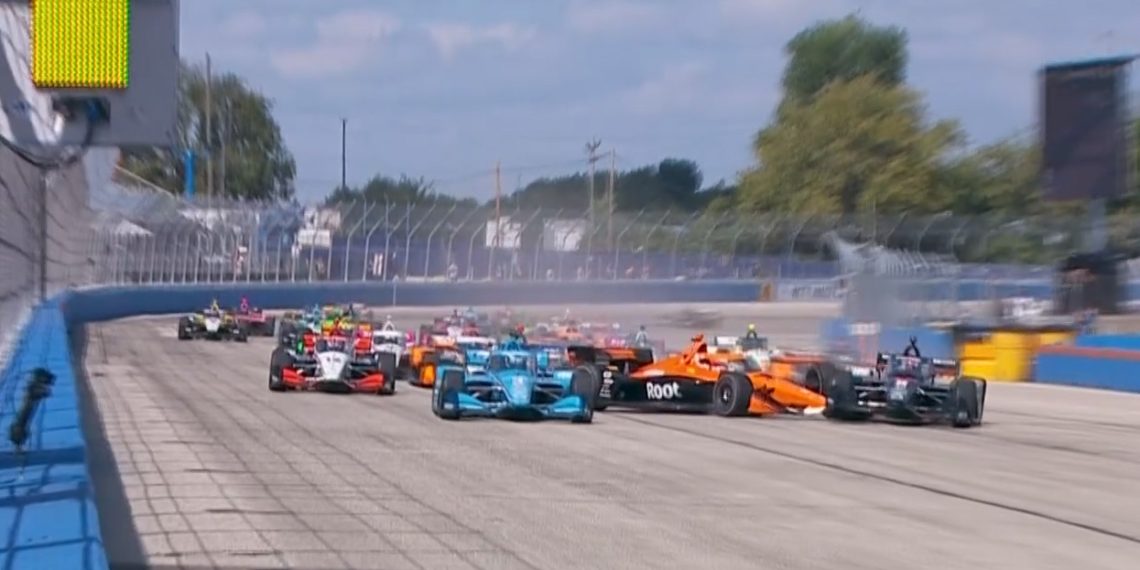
<point>617,244</point>
<point>209,144</point>
<point>541,244</point>
<point>610,201</point>
<point>412,232</point>
<point>344,157</point>
<point>591,152</point>
<point>431,236</point>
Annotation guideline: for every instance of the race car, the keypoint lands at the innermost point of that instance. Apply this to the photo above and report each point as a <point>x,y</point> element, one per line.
<point>697,380</point>
<point>514,386</point>
<point>327,364</point>
<point>254,320</point>
<point>389,341</point>
<point>211,324</point>
<point>476,350</point>
<point>806,368</point>
<point>908,388</point>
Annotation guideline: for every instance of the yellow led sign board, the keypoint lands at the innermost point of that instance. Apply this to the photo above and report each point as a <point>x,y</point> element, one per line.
<point>81,44</point>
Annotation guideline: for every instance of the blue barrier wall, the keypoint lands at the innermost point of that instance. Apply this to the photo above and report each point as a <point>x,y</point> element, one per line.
<point>117,302</point>
<point>1118,341</point>
<point>48,507</point>
<point>1108,369</point>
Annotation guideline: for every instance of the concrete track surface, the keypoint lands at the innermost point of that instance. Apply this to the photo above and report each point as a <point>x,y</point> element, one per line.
<point>203,467</point>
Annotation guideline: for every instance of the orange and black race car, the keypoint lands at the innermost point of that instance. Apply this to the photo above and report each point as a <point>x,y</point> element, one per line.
<point>697,380</point>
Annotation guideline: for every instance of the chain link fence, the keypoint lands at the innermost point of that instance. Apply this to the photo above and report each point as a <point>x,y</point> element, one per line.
<point>45,213</point>
<point>149,236</point>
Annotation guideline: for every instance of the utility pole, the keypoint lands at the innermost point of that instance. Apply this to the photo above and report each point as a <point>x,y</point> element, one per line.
<point>222,162</point>
<point>344,153</point>
<point>592,154</point>
<point>209,134</point>
<point>498,204</point>
<point>610,200</point>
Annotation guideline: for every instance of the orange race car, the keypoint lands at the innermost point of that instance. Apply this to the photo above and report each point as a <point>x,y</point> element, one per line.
<point>806,368</point>
<point>700,380</point>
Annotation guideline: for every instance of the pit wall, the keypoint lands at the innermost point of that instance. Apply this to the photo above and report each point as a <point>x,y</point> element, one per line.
<point>49,505</point>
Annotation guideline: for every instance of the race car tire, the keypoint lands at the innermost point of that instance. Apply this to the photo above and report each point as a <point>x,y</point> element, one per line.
<point>386,361</point>
<point>964,403</point>
<point>584,383</point>
<point>183,325</point>
<point>842,401</point>
<point>278,361</point>
<point>818,378</point>
<point>447,390</point>
<point>732,395</point>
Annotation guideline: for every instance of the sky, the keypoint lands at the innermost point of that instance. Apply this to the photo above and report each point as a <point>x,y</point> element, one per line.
<point>444,89</point>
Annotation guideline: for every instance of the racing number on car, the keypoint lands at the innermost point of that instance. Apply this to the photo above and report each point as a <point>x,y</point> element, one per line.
<point>898,391</point>
<point>667,391</point>
<point>606,391</point>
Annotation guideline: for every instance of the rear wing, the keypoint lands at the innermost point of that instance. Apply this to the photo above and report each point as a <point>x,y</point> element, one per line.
<point>943,367</point>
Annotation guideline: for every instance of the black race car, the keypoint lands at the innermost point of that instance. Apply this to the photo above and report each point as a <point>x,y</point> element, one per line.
<point>908,388</point>
<point>211,324</point>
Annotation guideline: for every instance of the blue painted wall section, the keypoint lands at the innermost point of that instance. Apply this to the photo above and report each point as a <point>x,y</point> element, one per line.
<point>1089,369</point>
<point>116,302</point>
<point>47,509</point>
<point>1105,361</point>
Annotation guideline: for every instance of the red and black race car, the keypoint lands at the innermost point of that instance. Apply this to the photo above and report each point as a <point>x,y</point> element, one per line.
<point>255,321</point>
<point>330,364</point>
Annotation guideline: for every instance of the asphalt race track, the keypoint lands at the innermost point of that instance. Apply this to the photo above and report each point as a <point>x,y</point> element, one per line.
<point>216,471</point>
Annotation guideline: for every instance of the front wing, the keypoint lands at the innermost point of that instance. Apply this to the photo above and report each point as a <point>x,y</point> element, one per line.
<point>296,379</point>
<point>566,408</point>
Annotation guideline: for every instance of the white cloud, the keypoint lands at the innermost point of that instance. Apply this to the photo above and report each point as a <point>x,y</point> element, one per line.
<point>450,38</point>
<point>244,24</point>
<point>676,87</point>
<point>345,41</point>
<point>612,16</point>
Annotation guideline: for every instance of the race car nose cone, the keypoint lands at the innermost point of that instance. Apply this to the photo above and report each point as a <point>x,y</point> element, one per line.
<point>518,389</point>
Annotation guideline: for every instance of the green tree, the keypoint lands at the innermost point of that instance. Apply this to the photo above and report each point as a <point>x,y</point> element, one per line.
<point>257,163</point>
<point>402,190</point>
<point>1000,177</point>
<point>671,184</point>
<point>858,146</point>
<point>842,50</point>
